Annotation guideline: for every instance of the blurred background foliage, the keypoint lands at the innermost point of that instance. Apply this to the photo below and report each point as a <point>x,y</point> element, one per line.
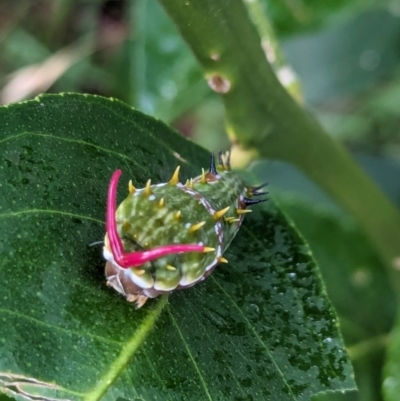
<point>346,54</point>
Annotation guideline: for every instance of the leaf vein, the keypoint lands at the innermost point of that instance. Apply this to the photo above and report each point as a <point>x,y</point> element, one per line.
<point>265,346</point>
<point>58,328</point>
<point>128,350</point>
<point>298,298</point>
<point>50,211</point>
<point>153,368</point>
<point>211,341</point>
<point>203,382</point>
<point>78,141</point>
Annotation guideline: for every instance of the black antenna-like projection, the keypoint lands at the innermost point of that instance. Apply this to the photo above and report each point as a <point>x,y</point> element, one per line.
<point>258,187</point>
<point>249,202</point>
<point>259,193</point>
<point>213,170</point>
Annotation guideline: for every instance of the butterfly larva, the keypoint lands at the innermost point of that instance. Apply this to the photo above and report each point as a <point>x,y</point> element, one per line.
<point>170,236</point>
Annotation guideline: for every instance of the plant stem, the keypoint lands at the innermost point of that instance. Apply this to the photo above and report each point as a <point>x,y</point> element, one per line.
<point>263,119</point>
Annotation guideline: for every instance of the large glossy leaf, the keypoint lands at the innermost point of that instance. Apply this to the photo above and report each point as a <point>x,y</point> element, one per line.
<point>358,286</point>
<point>356,280</point>
<point>260,327</point>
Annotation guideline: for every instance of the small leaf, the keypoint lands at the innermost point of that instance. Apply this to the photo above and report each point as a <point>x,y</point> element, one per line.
<point>261,327</point>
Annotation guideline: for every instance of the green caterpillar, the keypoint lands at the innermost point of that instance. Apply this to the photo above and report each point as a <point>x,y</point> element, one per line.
<point>170,236</point>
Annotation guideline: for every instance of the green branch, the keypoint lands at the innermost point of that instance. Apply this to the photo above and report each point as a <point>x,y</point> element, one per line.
<point>263,120</point>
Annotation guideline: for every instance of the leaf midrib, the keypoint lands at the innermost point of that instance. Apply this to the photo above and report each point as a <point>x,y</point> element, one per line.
<point>129,349</point>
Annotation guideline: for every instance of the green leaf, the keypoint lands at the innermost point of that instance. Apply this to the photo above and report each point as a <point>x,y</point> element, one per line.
<point>155,71</point>
<point>356,283</point>
<point>346,58</point>
<point>260,327</point>
<point>391,383</point>
<point>170,80</point>
<point>294,17</point>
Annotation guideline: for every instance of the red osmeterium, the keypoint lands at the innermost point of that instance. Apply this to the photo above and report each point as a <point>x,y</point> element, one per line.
<point>135,259</point>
